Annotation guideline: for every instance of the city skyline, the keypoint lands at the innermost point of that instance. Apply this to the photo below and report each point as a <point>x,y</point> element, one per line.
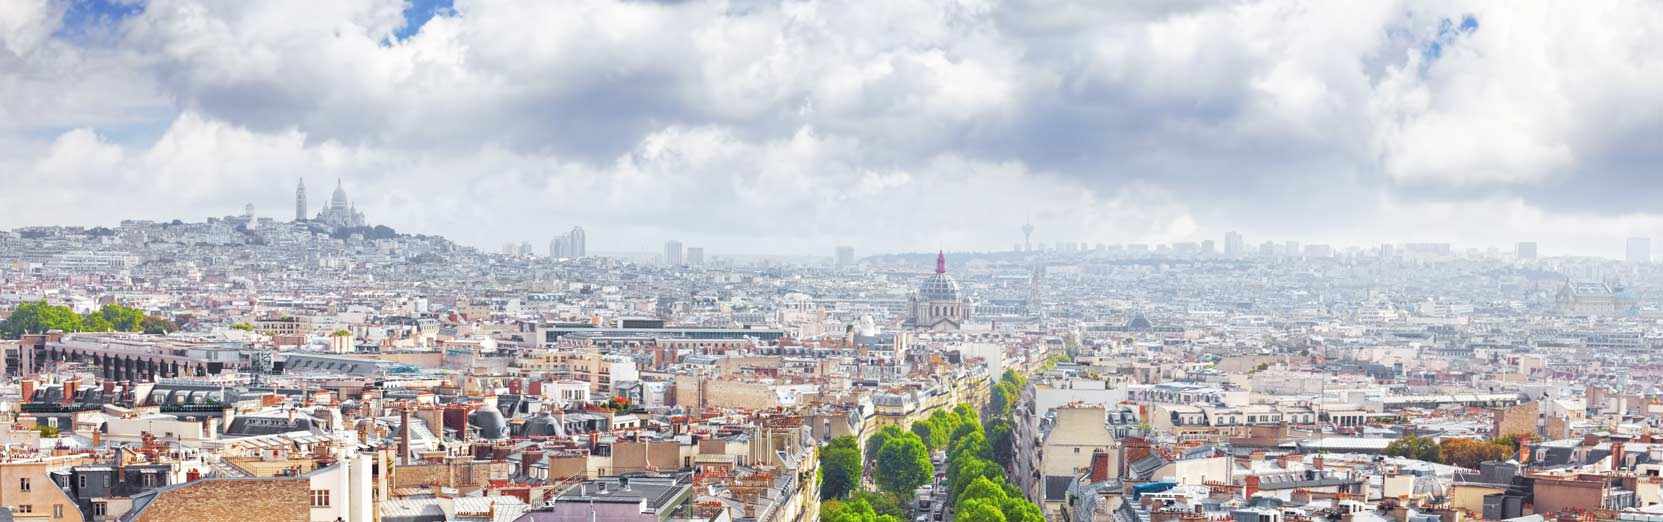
<point>800,126</point>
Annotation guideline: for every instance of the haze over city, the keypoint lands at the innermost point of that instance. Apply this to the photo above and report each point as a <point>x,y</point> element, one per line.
<point>763,127</point>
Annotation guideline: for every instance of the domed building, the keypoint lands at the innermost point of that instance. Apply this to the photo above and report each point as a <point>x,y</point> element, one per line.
<point>938,305</point>
<point>340,212</point>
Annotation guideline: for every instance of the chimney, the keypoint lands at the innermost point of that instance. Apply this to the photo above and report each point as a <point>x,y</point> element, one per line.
<point>1251,487</point>
<point>1316,462</point>
<point>1617,456</point>
<point>70,387</point>
<point>1525,451</point>
<point>109,387</point>
<point>529,458</point>
<point>1099,466</point>
<point>28,389</point>
<point>404,434</point>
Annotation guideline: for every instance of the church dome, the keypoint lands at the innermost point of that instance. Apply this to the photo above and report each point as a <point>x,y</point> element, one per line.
<point>939,286</point>
<point>339,198</point>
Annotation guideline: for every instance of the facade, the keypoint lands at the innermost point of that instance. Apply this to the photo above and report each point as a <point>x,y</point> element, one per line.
<point>340,212</point>
<point>937,304</point>
<point>673,254</point>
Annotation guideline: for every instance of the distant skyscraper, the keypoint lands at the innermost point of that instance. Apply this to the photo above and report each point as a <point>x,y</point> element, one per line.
<point>1639,250</point>
<point>559,247</point>
<point>1028,237</point>
<point>1233,245</point>
<point>673,253</point>
<point>1525,250</point>
<point>695,256</point>
<point>845,256</point>
<point>300,200</point>
<point>578,241</point>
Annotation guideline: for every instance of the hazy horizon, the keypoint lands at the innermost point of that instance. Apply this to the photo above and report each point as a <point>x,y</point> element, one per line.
<point>788,128</point>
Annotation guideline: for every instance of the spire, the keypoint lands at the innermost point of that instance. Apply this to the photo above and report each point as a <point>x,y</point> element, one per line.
<point>940,262</point>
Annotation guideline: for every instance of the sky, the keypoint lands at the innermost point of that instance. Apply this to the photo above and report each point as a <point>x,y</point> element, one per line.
<point>790,127</point>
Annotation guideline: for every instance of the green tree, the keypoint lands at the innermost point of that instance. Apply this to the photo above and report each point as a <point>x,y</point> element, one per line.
<point>875,443</point>
<point>979,510</point>
<point>971,445</point>
<point>155,325</point>
<point>933,431</point>
<point>904,465</point>
<point>1018,509</point>
<point>1414,447</point>
<point>840,468</point>
<point>96,323</point>
<point>39,317</point>
<point>854,510</point>
<point>978,487</point>
<point>243,326</point>
<point>1000,443</point>
<point>967,415</point>
<point>122,318</point>
<point>883,503</point>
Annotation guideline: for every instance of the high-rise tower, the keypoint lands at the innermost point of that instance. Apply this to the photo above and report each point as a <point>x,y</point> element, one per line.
<point>1028,236</point>
<point>300,200</point>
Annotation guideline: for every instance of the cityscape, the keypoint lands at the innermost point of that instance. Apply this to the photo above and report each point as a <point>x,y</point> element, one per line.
<point>851,261</point>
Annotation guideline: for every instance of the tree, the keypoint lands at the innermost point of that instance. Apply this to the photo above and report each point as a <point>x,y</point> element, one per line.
<point>1000,443</point>
<point>972,444</point>
<point>932,431</point>
<point>903,465</point>
<point>979,510</point>
<point>155,325</point>
<point>970,470</point>
<point>243,326</point>
<point>1414,447</point>
<point>967,415</point>
<point>122,318</point>
<point>981,488</point>
<point>39,317</point>
<point>840,468</point>
<point>1018,509</point>
<point>875,443</point>
<point>854,510</point>
<point>883,503</point>
<point>1468,453</point>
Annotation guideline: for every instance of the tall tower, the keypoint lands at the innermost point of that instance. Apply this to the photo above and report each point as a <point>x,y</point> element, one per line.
<point>1028,236</point>
<point>578,241</point>
<point>300,200</point>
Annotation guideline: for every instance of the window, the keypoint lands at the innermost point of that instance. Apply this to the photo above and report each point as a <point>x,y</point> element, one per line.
<point>320,498</point>
<point>25,508</point>
<point>81,481</point>
<point>99,509</point>
<point>23,484</point>
<point>57,510</point>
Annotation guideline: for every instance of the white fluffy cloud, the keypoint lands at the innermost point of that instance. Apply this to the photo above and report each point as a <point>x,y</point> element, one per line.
<point>756,125</point>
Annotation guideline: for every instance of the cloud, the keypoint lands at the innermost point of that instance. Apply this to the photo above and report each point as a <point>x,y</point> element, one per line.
<point>761,125</point>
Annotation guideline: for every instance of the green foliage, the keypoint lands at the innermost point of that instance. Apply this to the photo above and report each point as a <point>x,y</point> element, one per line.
<point>875,443</point>
<point>39,317</point>
<point>155,325</point>
<point>341,333</point>
<point>904,465</point>
<point>979,510</point>
<point>243,326</point>
<point>47,431</point>
<point>971,445</point>
<point>840,466</point>
<point>978,487</point>
<point>121,318</point>
<point>1414,447</point>
<point>999,442</point>
<point>883,503</point>
<point>1018,509</point>
<point>854,510</point>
